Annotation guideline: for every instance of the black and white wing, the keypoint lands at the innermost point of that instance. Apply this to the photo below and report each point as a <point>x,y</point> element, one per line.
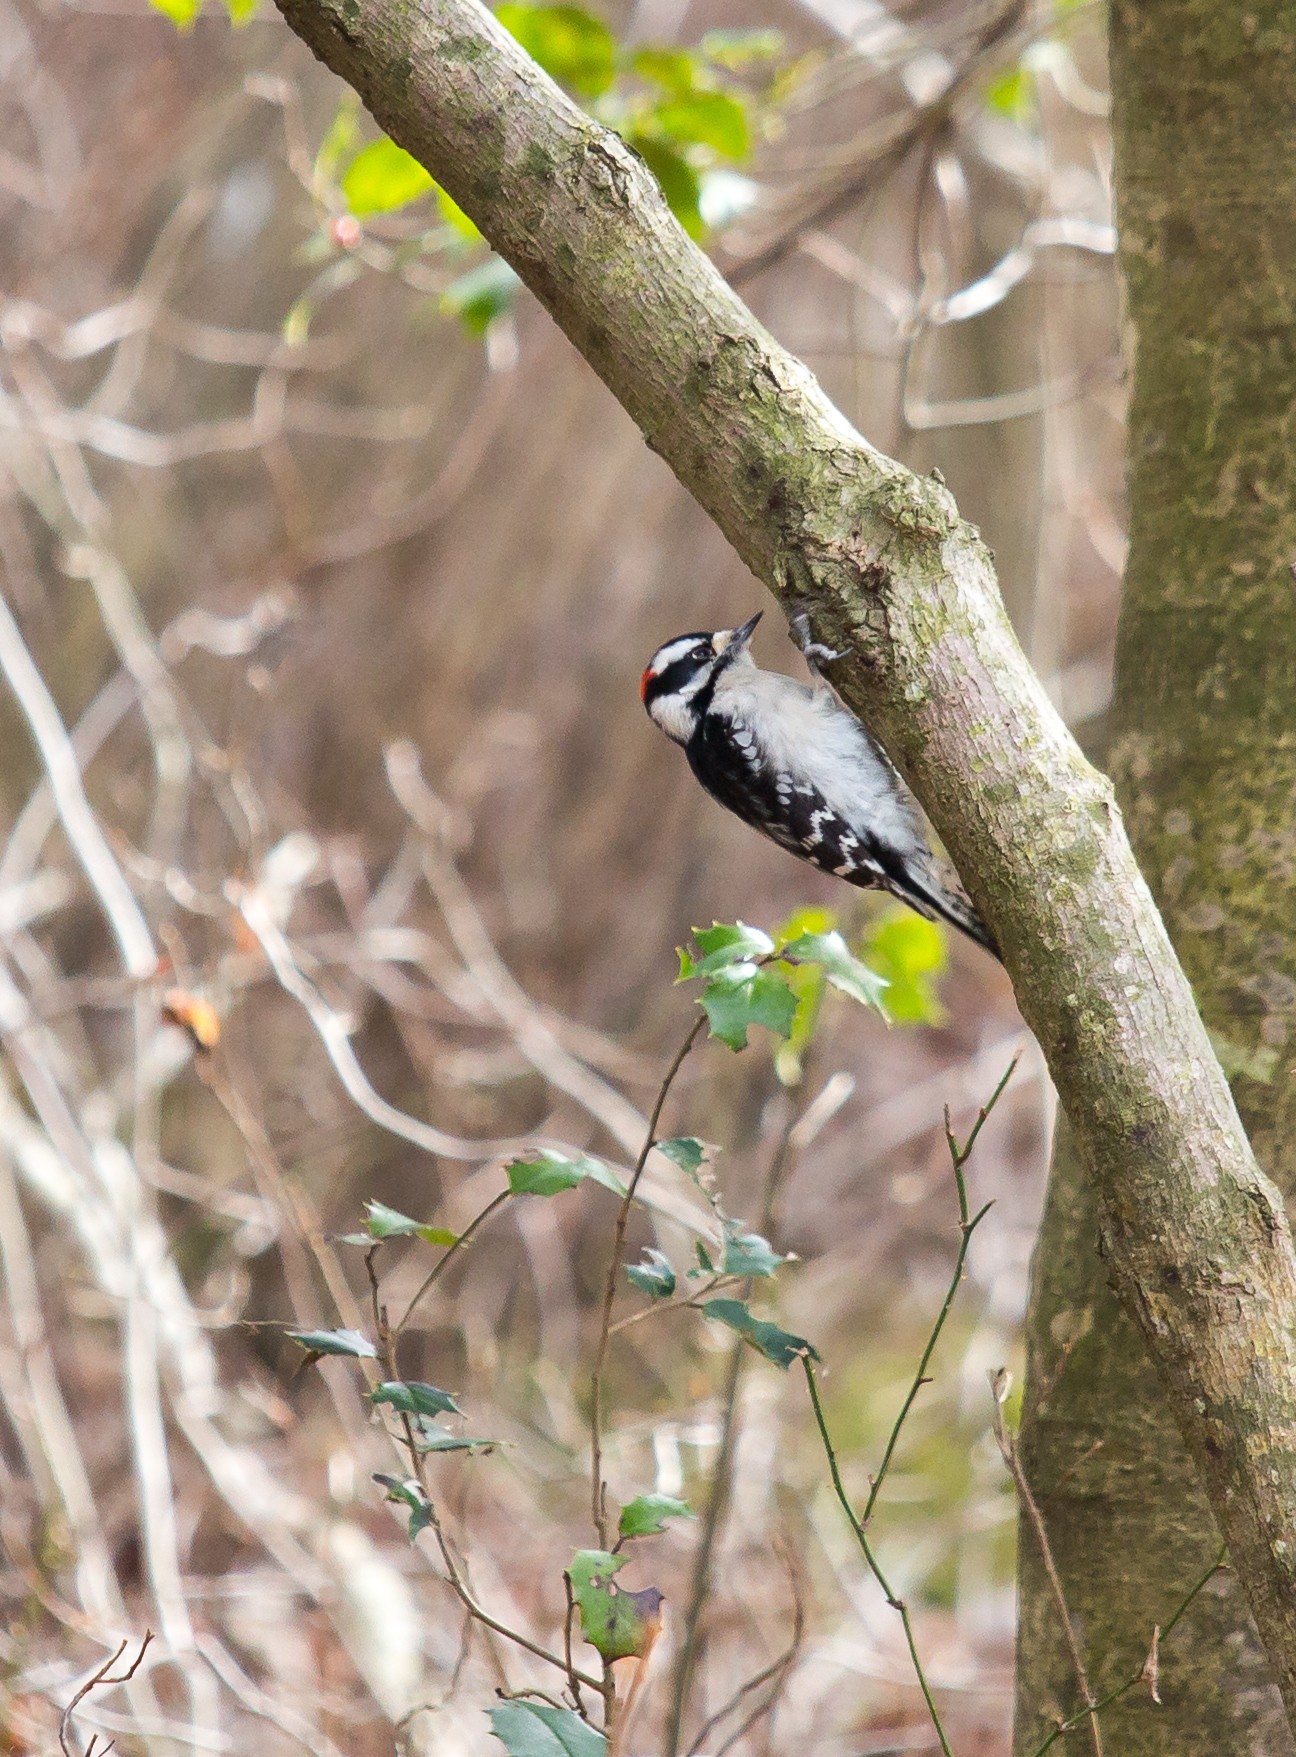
<point>791,809</point>
<point>728,760</point>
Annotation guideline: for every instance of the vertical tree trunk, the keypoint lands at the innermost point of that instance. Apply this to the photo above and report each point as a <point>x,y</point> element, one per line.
<point>1204,759</point>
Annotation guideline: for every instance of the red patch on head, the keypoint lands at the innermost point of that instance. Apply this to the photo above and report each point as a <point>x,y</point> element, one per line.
<point>644,681</point>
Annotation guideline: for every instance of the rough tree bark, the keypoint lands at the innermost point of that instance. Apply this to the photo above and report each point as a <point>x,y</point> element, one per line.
<point>1200,1248</point>
<point>1204,759</point>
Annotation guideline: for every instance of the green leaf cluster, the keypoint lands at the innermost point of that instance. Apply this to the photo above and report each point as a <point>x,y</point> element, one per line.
<point>750,979</point>
<point>692,114</point>
<point>1012,94</point>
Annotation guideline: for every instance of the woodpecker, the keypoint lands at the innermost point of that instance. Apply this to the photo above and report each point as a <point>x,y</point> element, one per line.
<point>794,764</point>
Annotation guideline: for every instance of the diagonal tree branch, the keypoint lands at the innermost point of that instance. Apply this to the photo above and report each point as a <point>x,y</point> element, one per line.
<point>1196,1236</point>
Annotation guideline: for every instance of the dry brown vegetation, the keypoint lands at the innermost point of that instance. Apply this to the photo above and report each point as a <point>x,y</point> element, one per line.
<point>239,570</point>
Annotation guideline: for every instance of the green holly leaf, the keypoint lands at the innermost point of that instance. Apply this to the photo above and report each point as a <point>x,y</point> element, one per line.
<point>548,1172</point>
<point>840,965</point>
<point>645,1516</point>
<point>430,1436</point>
<point>654,1275</point>
<point>408,1494</point>
<point>353,1343</point>
<point>744,995</point>
<point>725,943</point>
<point>383,176</point>
<point>414,1398</point>
<point>686,1151</point>
<point>573,47</point>
<point>383,1222</point>
<point>780,1346</point>
<point>747,1253</point>
<point>617,1624</point>
<point>534,1729</point>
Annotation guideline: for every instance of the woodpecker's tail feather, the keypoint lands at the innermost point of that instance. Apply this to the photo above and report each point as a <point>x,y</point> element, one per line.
<point>930,898</point>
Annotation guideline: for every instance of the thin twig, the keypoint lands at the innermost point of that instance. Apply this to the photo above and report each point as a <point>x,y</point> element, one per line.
<point>464,1237</point>
<point>968,1224</point>
<point>598,1497</point>
<point>572,1680</point>
<point>866,1549</point>
<point>700,1583</point>
<point>776,1671</point>
<point>334,1032</point>
<point>999,1382</point>
<point>722,1475</point>
<point>386,1338</point>
<point>87,841</point>
<point>101,1677</point>
<point>1135,1678</point>
<point>688,1302</point>
<point>959,1157</point>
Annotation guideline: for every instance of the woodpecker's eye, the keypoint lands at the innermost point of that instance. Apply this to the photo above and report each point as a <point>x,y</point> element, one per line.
<point>700,652</point>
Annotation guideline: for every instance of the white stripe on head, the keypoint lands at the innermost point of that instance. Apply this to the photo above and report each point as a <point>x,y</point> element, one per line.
<point>673,650</point>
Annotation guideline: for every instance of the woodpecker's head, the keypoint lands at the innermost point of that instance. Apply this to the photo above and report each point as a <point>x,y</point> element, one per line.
<point>681,675</point>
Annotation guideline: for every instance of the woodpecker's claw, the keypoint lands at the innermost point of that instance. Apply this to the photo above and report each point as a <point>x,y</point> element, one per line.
<point>814,652</point>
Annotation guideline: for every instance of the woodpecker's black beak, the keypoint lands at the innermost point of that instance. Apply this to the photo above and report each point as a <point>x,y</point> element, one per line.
<point>731,641</point>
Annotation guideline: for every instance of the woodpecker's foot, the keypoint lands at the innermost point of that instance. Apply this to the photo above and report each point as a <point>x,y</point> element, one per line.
<point>814,652</point>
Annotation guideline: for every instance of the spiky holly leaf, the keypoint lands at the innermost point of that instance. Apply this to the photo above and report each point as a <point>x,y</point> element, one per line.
<point>617,1624</point>
<point>408,1494</point>
<point>349,1342</point>
<point>780,1346</point>
<point>411,1397</point>
<point>686,1151</point>
<point>430,1436</point>
<point>722,944</point>
<point>645,1516</point>
<point>384,1222</point>
<point>840,965</point>
<point>747,1253</point>
<point>548,1172</point>
<point>744,995</point>
<point>534,1729</point>
<point>654,1275</point>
